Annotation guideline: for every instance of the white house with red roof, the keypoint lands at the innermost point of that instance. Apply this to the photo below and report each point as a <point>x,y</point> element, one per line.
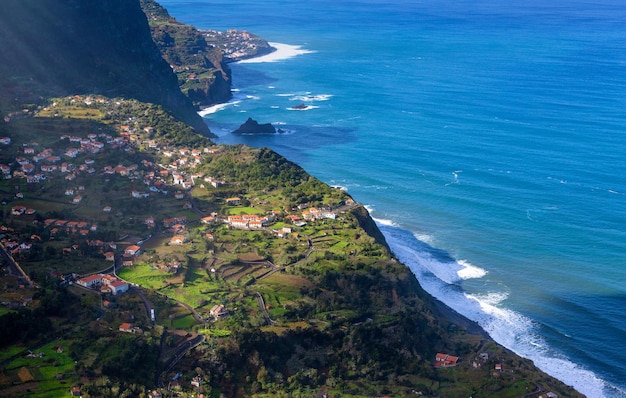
<point>178,240</point>
<point>132,250</point>
<point>445,360</point>
<point>91,280</point>
<point>118,287</point>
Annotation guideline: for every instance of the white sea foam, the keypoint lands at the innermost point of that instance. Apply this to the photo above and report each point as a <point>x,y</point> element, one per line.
<point>470,271</point>
<point>508,328</point>
<point>381,221</point>
<point>428,239</point>
<point>339,187</point>
<point>282,52</point>
<point>310,97</point>
<point>302,108</point>
<point>216,108</point>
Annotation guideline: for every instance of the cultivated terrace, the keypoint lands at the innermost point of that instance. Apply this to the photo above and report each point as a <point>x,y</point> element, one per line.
<point>245,275</point>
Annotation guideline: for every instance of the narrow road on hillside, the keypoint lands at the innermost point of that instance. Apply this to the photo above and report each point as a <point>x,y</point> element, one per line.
<point>15,267</point>
<point>263,309</point>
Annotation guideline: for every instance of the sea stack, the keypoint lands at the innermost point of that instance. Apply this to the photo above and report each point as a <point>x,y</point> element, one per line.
<point>251,126</point>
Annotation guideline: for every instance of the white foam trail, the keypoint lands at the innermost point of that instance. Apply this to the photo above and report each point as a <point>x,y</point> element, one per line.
<point>216,108</point>
<point>282,52</point>
<point>428,239</point>
<point>385,222</point>
<point>506,327</point>
<point>470,271</point>
<point>309,98</point>
<point>340,187</point>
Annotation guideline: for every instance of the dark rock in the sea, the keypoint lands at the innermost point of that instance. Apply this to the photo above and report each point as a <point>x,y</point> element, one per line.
<point>251,126</point>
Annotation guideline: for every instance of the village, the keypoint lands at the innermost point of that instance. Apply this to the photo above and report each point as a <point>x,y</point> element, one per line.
<point>237,44</point>
<point>67,168</point>
<point>163,241</point>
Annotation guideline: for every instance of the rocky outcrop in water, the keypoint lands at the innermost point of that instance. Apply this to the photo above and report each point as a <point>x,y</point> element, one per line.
<point>251,126</point>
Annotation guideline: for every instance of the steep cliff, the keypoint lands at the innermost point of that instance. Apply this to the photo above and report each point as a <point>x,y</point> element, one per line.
<point>79,47</point>
<point>202,73</point>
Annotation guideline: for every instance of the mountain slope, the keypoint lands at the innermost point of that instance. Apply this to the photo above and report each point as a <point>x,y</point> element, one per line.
<point>77,47</point>
<point>203,75</point>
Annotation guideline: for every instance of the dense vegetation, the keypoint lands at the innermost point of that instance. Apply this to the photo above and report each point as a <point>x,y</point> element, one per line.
<point>84,48</point>
<point>202,74</point>
<point>314,303</point>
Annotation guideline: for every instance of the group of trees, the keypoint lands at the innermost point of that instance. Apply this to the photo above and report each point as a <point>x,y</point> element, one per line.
<point>26,325</point>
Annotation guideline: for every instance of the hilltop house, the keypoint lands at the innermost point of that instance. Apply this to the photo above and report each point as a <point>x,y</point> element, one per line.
<point>132,250</point>
<point>233,201</point>
<point>178,240</point>
<point>18,210</point>
<point>140,195</point>
<point>218,311</point>
<point>118,287</point>
<point>316,214</point>
<point>90,281</point>
<point>445,360</point>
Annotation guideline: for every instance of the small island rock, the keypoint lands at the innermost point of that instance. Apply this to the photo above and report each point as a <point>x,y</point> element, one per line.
<point>251,126</point>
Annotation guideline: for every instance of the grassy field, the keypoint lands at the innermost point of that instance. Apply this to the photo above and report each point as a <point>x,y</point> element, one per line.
<point>145,275</point>
<point>186,322</point>
<point>215,332</point>
<point>53,372</point>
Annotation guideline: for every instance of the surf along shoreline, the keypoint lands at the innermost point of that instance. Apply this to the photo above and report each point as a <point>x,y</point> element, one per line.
<point>286,51</point>
<point>440,309</point>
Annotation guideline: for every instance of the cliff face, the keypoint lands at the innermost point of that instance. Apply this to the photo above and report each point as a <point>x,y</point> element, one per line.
<point>83,47</point>
<point>202,73</point>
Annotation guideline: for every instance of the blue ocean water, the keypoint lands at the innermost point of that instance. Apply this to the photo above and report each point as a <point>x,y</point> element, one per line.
<point>486,138</point>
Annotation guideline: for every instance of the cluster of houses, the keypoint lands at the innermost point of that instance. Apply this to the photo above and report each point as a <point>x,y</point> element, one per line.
<point>105,283</point>
<point>36,165</point>
<point>255,221</point>
<point>82,228</point>
<point>22,210</point>
<point>236,44</point>
<point>249,221</point>
<point>13,244</point>
<point>317,214</point>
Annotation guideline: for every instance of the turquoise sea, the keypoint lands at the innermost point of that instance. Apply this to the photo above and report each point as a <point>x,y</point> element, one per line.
<point>487,138</point>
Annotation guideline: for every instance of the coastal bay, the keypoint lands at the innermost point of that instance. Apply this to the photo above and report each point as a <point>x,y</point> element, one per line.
<point>229,270</point>
<point>452,154</point>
